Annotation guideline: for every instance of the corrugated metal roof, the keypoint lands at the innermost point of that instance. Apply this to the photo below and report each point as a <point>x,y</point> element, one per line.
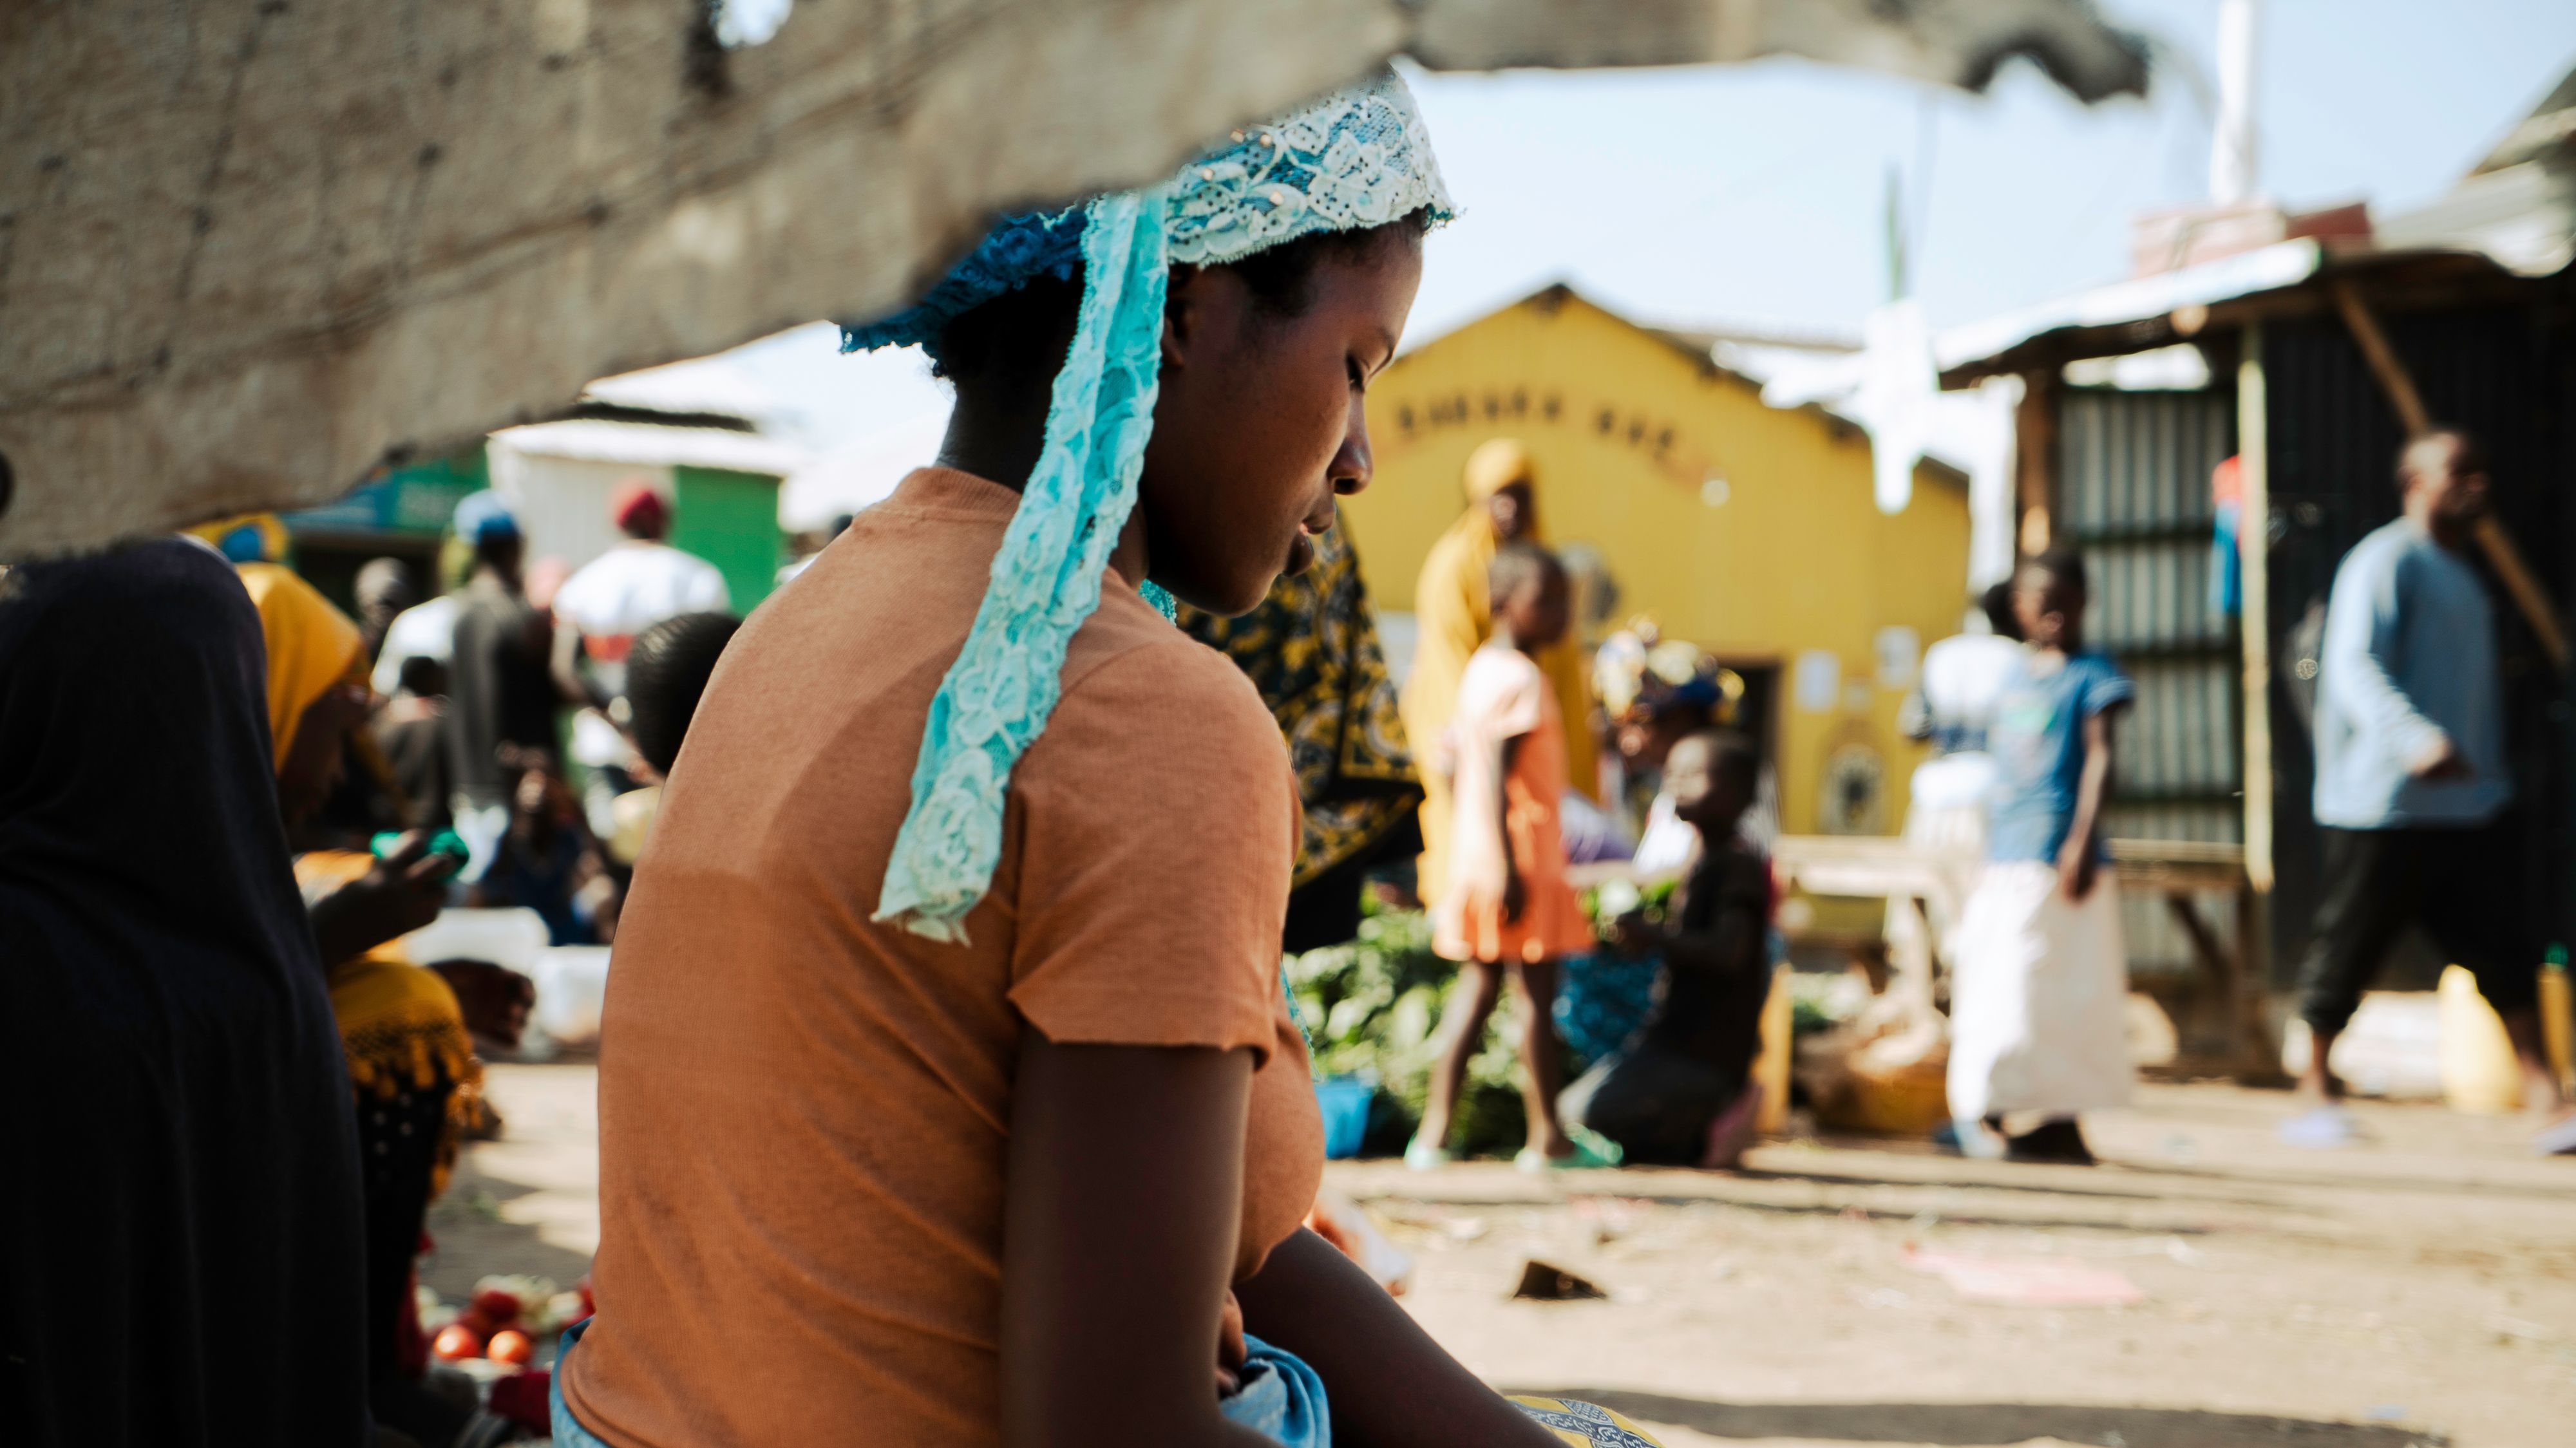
<point>2139,299</point>
<point>2272,281</point>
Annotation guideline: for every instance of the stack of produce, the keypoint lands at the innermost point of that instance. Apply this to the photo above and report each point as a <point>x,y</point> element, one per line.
<point>506,1319</point>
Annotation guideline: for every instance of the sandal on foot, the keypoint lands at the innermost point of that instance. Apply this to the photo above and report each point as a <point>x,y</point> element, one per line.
<point>1591,1152</point>
<point>2322,1129</point>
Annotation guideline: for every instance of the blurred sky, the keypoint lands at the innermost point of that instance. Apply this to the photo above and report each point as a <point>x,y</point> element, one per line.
<point>1754,194</point>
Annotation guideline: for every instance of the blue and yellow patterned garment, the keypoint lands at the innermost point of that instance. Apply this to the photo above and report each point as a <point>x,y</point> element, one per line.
<point>1311,648</point>
<point>1586,1424</point>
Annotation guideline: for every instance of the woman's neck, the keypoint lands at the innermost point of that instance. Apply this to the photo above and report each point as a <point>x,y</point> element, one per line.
<point>1001,441</point>
<point>998,440</point>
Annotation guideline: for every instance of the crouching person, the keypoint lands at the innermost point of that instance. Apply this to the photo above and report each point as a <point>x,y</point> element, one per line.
<point>1680,1092</point>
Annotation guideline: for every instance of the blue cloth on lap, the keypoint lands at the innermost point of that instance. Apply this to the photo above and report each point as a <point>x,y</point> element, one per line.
<point>1280,1398</point>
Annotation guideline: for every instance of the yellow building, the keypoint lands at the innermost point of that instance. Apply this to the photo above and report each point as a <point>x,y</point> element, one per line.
<point>1746,529</point>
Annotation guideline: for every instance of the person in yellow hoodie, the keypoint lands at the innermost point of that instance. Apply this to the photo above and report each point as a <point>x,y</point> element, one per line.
<point>1454,617</point>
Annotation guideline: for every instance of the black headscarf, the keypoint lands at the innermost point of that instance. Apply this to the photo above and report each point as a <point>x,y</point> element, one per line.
<point>180,1257</point>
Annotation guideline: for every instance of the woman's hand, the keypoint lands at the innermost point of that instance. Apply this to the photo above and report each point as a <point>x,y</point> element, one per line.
<point>494,1000</point>
<point>401,892</point>
<point>1389,1385</point>
<point>1123,1201</point>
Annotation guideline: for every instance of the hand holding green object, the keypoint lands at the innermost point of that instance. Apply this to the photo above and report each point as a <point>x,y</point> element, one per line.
<point>445,842</point>
<point>400,893</point>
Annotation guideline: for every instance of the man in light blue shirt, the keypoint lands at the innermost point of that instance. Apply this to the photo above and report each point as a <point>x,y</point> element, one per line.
<point>2411,776</point>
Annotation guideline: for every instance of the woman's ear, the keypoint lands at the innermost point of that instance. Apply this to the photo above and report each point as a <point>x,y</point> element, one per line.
<point>1184,303</point>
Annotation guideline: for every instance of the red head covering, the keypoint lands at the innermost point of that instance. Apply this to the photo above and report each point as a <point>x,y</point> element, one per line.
<point>639,511</point>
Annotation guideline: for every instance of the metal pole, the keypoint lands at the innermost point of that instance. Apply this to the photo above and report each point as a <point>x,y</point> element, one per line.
<point>2233,169</point>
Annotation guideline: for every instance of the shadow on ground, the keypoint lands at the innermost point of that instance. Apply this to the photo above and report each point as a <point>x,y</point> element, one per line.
<point>1993,1423</point>
<point>1849,1211</point>
<point>474,1238</point>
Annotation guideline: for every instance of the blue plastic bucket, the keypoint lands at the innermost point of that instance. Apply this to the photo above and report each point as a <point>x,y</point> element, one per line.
<point>1345,1104</point>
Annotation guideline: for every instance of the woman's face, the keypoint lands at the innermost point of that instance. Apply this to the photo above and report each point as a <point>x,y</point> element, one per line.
<point>1537,612</point>
<point>1509,509</point>
<point>1259,424</point>
<point>313,764</point>
<point>2049,609</point>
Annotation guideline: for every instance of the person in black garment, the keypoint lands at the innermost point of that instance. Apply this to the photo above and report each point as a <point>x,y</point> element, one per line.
<point>1680,1091</point>
<point>180,1260</point>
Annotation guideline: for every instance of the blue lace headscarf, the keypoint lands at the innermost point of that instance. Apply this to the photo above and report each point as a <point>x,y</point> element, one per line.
<point>1357,158</point>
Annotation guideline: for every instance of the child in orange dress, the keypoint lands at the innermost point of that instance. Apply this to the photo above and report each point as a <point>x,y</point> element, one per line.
<point>1507,909</point>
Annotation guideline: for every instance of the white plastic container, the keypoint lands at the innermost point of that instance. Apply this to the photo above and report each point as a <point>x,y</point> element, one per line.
<point>512,938</point>
<point>572,981</point>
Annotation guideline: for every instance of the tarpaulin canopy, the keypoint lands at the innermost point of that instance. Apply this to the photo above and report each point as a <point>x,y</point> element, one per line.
<point>252,250</point>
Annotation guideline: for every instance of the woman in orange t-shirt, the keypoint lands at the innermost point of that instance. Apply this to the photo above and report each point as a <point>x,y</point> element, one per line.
<point>948,1092</point>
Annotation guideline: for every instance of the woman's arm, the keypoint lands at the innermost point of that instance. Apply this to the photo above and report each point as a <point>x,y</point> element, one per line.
<point>1389,1384</point>
<point>1733,940</point>
<point>1514,894</point>
<point>1123,1202</point>
<point>2080,856</point>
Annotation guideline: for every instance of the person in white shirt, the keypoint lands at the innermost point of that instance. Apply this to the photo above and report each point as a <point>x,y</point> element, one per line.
<point>1963,677</point>
<point>426,630</point>
<point>627,590</point>
<point>599,611</point>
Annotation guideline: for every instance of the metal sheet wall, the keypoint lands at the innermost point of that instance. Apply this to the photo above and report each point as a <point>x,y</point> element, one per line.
<point>2133,493</point>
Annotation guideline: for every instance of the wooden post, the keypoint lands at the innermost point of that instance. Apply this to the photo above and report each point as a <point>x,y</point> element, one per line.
<point>2408,404</point>
<point>2035,460</point>
<point>2254,627</point>
<point>2254,542</point>
<point>2394,380</point>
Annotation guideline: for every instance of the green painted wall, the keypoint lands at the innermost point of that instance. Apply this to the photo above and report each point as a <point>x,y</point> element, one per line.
<point>730,519</point>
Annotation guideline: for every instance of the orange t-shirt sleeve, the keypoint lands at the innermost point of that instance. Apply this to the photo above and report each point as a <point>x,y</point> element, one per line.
<point>1157,832</point>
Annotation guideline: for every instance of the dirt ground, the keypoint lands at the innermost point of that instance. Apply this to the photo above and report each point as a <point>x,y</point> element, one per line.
<point>2421,1289</point>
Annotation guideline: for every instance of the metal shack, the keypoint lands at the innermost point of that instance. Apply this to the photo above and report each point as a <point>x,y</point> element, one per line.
<point>2308,358</point>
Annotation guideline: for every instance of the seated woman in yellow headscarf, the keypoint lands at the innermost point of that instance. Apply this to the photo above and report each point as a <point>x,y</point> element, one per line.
<point>411,1061</point>
<point>1454,617</point>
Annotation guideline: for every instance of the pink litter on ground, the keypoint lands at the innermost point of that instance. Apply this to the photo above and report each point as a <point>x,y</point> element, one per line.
<point>2027,1281</point>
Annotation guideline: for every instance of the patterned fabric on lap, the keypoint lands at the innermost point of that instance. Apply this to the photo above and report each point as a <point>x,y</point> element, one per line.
<point>1585,1424</point>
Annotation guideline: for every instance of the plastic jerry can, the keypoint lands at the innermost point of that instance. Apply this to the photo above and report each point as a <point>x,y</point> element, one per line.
<point>2479,1073</point>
